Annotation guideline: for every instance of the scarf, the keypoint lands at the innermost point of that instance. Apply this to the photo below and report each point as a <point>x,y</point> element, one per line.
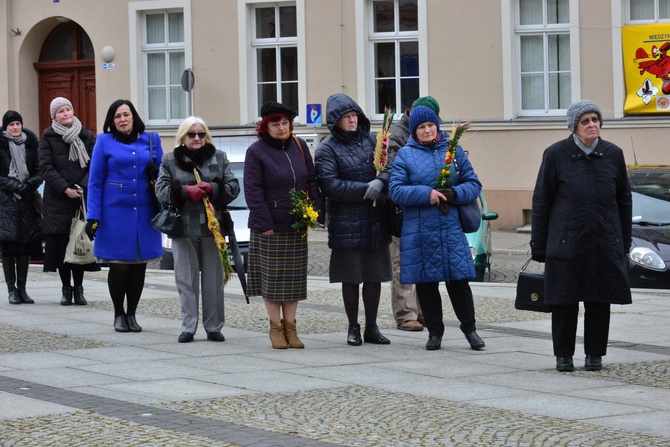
<point>17,149</point>
<point>587,150</point>
<point>71,136</point>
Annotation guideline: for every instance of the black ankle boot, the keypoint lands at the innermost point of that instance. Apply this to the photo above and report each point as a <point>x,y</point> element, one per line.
<point>372,335</point>
<point>66,299</point>
<point>354,335</point>
<point>22,265</point>
<point>9,270</point>
<point>79,299</point>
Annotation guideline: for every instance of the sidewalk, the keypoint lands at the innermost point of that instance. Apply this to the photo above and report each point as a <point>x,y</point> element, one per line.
<point>66,378</point>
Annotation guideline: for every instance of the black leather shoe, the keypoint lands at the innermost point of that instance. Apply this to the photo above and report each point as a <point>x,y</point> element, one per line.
<point>434,343</point>
<point>132,323</point>
<point>79,299</point>
<point>372,335</point>
<point>25,299</point>
<point>66,299</point>
<point>121,324</point>
<point>215,336</point>
<point>593,363</point>
<point>476,343</point>
<point>185,337</point>
<point>354,335</point>
<point>564,364</point>
<point>14,297</point>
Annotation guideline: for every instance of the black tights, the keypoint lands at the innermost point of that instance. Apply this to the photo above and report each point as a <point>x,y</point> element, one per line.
<point>371,293</point>
<point>126,280</point>
<point>77,272</point>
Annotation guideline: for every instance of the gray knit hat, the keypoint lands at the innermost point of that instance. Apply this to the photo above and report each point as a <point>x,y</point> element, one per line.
<point>576,110</point>
<point>56,104</point>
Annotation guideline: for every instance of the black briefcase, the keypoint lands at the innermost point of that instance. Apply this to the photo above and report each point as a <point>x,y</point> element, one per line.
<point>530,291</point>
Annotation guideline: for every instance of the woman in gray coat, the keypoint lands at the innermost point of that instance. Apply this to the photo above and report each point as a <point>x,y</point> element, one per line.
<point>196,255</point>
<point>581,230</point>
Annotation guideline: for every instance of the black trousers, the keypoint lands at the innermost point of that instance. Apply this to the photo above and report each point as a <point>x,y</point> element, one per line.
<point>596,328</point>
<point>460,295</point>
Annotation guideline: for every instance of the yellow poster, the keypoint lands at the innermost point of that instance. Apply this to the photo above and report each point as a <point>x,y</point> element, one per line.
<point>647,68</point>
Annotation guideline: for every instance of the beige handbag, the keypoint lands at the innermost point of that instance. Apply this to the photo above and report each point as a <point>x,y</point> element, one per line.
<point>79,247</point>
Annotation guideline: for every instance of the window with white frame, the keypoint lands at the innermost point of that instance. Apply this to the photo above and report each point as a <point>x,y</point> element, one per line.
<point>394,50</point>
<point>649,11</point>
<point>543,49</point>
<point>275,54</point>
<point>164,62</point>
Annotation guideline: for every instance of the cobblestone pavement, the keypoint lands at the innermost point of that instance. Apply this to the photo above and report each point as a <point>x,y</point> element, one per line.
<point>339,414</point>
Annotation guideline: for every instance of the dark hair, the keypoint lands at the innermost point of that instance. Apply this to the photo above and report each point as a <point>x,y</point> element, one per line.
<point>138,124</point>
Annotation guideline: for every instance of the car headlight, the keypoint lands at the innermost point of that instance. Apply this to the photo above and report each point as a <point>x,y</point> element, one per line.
<point>647,257</point>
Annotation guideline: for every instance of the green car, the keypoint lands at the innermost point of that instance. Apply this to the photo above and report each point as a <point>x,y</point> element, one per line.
<point>480,242</point>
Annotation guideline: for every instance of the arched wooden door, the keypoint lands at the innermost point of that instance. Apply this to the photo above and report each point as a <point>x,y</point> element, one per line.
<point>67,68</point>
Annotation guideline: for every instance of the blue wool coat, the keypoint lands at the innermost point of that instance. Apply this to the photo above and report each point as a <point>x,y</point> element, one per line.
<point>119,197</point>
<point>433,246</point>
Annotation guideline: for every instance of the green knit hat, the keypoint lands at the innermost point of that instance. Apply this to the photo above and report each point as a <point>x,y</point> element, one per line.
<point>429,102</point>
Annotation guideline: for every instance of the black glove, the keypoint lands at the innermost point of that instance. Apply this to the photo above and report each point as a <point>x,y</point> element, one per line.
<point>91,228</point>
<point>537,257</point>
<point>23,190</point>
<point>449,194</point>
<point>152,170</point>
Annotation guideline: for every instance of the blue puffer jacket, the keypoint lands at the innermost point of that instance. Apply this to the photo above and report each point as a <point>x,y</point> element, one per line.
<point>343,163</point>
<point>433,247</point>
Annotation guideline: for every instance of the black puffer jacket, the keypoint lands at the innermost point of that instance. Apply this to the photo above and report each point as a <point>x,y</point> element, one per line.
<point>19,222</point>
<point>343,163</point>
<point>59,173</point>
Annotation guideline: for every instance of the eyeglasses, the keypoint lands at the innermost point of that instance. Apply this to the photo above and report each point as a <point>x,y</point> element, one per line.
<point>200,135</point>
<point>278,124</point>
<point>350,115</point>
<point>587,120</point>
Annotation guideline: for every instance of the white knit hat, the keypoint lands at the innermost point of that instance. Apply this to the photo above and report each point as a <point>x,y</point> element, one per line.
<point>57,103</point>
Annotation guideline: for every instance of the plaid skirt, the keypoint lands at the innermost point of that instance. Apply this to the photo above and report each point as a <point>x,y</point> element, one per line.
<point>277,268</point>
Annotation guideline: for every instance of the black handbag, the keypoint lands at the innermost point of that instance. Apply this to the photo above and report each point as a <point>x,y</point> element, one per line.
<point>469,213</point>
<point>168,221</point>
<point>530,291</point>
<point>395,218</point>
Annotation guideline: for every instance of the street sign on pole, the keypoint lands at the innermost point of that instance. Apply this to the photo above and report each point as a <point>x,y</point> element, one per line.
<point>313,115</point>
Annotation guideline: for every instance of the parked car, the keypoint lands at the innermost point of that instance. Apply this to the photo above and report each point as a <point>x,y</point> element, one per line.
<point>239,211</point>
<point>649,256</point>
<point>480,242</point>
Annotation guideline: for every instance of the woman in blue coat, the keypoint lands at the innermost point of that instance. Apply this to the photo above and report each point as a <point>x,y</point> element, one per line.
<point>121,206</point>
<point>433,246</point>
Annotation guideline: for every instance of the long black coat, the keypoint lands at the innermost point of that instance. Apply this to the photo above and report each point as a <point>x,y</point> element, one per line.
<point>59,173</point>
<point>343,163</point>
<point>19,221</point>
<point>582,223</point>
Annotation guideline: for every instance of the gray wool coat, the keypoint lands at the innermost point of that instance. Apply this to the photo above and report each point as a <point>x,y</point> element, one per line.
<point>176,172</point>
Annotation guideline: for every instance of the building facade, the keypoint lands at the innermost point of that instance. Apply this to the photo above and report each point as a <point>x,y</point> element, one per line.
<point>511,66</point>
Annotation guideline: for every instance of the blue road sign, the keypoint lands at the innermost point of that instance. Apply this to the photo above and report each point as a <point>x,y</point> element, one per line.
<point>313,114</point>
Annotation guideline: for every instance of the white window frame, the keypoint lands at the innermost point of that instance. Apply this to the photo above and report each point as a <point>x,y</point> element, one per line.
<point>395,37</point>
<point>654,20</point>
<point>545,30</point>
<point>138,73</point>
<point>247,47</point>
<point>365,59</point>
<point>511,64</point>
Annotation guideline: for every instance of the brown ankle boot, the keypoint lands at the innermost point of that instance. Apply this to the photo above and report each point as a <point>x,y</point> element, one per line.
<point>277,336</point>
<point>291,334</point>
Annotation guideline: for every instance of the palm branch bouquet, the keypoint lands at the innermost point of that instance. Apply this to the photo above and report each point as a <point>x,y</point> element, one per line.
<point>444,179</point>
<point>381,149</point>
<point>215,227</point>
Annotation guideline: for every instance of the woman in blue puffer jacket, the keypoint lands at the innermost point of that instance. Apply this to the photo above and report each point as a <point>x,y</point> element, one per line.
<point>433,246</point>
<point>358,232</point>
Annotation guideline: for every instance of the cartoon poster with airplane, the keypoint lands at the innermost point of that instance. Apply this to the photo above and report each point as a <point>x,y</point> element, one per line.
<point>646,59</point>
